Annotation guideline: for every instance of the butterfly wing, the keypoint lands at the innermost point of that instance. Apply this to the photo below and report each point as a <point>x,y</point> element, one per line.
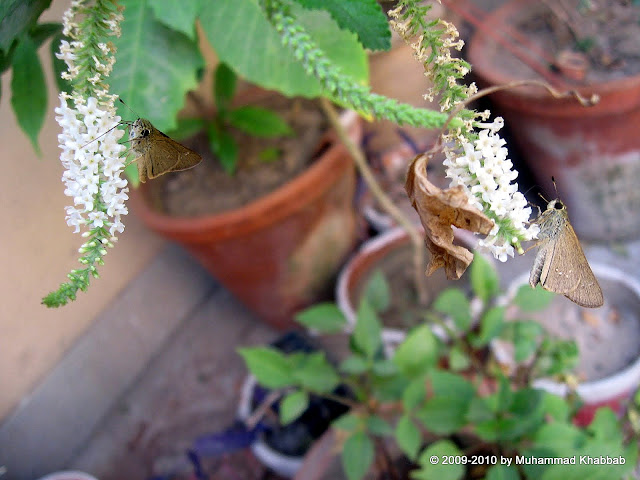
<point>565,270</point>
<point>166,155</point>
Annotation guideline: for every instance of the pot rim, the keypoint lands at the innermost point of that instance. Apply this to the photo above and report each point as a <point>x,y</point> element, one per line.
<point>68,475</point>
<point>606,388</point>
<point>485,69</point>
<point>304,188</point>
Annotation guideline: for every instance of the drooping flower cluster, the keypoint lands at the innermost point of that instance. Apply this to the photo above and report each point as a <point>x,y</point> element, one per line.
<point>487,175</point>
<point>91,154</point>
<point>476,160</point>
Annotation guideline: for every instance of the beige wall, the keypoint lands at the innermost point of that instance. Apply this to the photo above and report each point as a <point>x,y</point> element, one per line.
<point>38,250</point>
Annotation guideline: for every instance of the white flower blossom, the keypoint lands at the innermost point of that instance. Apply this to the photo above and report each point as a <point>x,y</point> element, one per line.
<point>486,174</point>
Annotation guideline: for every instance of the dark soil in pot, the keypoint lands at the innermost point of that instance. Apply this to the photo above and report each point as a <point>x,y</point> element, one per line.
<point>264,164</point>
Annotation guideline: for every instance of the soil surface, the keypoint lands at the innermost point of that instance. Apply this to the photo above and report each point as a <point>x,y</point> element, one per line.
<point>608,35</point>
<point>208,189</point>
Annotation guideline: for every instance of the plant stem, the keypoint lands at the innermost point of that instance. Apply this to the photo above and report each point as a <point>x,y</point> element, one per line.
<point>383,200</point>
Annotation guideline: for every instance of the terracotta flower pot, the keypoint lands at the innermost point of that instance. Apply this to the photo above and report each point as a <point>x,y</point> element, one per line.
<point>593,152</point>
<point>608,342</point>
<point>278,253</point>
<point>392,244</point>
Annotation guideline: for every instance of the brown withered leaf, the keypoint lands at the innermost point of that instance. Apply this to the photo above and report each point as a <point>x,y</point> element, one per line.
<point>439,210</point>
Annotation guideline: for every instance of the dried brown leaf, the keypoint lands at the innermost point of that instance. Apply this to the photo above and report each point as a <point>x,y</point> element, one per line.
<point>439,210</point>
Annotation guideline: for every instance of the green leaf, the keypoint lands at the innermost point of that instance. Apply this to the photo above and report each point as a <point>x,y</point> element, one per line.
<point>531,299</point>
<point>458,359</point>
<point>408,437</point>
<point>431,471</point>
<point>224,86</point>
<point>41,32</point>
<point>454,302</point>
<point>155,66</point>
<point>347,422</point>
<point>418,353</point>
<point>414,394</point>
<point>16,17</point>
<point>491,326</point>
<point>367,332</point>
<point>186,128</point>
<point>559,437</point>
<point>484,278</point>
<point>502,472</point>
<point>58,65</point>
<point>244,39</point>
<point>555,407</point>
<point>324,317</point>
<point>384,368</point>
<point>357,455</point>
<point>269,366</point>
<point>605,426</point>
<point>258,121</point>
<point>377,291</point>
<point>354,365</point>
<point>316,373</point>
<point>225,148</point>
<point>527,337</point>
<point>445,411</point>
<point>178,15</point>
<point>28,90</point>
<point>362,17</point>
<point>378,426</point>
<point>292,406</point>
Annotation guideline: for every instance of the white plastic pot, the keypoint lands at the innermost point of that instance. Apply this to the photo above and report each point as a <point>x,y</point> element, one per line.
<point>622,293</point>
<point>68,475</point>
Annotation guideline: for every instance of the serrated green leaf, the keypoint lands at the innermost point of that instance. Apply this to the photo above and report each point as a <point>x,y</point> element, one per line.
<point>368,329</point>
<point>484,278</point>
<point>178,15</point>
<point>17,17</point>
<point>431,471</point>
<point>224,86</point>
<point>479,410</point>
<point>408,437</point>
<point>58,65</point>
<point>502,472</point>
<point>324,317</point>
<point>362,17</point>
<point>155,66</point>
<point>559,437</point>
<point>258,121</point>
<point>316,373</point>
<point>491,326</point>
<point>604,426</point>
<point>292,406</point>
<point>357,455</point>
<point>186,128</point>
<point>377,291</point>
<point>269,366</point>
<point>354,365</point>
<point>453,302</point>
<point>243,38</point>
<point>378,426</point>
<point>531,299</point>
<point>418,353</point>
<point>555,407</point>
<point>28,90</point>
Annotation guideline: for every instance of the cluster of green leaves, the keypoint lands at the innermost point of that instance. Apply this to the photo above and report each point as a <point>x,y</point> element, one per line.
<point>450,387</point>
<point>20,38</point>
<point>252,120</point>
<point>159,57</point>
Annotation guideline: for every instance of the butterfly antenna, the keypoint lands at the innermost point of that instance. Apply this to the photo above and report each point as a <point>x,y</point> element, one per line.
<point>553,180</point>
<point>130,109</point>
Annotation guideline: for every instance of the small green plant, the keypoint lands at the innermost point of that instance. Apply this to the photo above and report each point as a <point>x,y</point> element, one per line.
<point>443,399</point>
<point>252,120</point>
